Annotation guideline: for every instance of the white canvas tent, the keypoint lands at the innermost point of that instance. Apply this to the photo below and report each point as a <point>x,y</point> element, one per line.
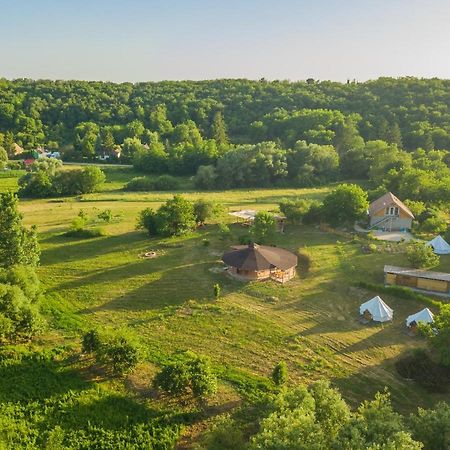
<point>425,316</point>
<point>439,245</point>
<point>379,311</point>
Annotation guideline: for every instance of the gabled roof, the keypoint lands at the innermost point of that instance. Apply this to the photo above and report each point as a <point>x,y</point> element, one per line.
<point>256,257</point>
<point>439,245</point>
<point>425,316</point>
<point>378,309</point>
<point>388,199</point>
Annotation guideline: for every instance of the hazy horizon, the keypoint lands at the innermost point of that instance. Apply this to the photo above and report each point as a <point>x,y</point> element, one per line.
<point>197,40</point>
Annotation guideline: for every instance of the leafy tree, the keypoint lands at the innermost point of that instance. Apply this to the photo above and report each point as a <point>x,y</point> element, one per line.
<point>263,227</point>
<point>148,219</point>
<point>432,426</point>
<point>376,425</point>
<point>205,210</point>
<point>345,204</point>
<point>150,159</point>
<point>394,135</point>
<point>135,129</point>
<point>176,216</point>
<point>347,136</point>
<point>105,142</point>
<point>216,291</point>
<point>19,298</point>
<point>132,146</point>
<point>18,245</point>
<point>310,164</point>
<point>202,378</point>
<point>219,129</point>
<point>120,354</point>
<point>3,157</point>
<point>280,374</point>
<point>174,378</point>
<point>295,210</point>
<point>439,334</point>
<point>192,374</point>
<point>36,184</point>
<point>205,177</point>
<point>421,256</point>
<point>159,122</point>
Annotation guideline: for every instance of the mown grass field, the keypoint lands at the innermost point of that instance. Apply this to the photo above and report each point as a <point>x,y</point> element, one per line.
<point>167,302</point>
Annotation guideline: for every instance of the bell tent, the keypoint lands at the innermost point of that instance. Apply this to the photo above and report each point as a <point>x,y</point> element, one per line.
<point>377,309</point>
<point>439,245</point>
<point>424,316</point>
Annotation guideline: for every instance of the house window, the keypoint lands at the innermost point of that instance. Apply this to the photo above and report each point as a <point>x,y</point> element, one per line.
<point>392,211</point>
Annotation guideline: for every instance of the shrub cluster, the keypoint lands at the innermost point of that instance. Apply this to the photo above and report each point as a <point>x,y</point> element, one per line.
<point>19,303</point>
<point>177,216</point>
<point>47,179</point>
<point>162,183</point>
<point>116,351</point>
<point>190,375</point>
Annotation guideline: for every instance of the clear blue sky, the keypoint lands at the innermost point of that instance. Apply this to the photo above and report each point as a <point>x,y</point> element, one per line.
<point>138,40</point>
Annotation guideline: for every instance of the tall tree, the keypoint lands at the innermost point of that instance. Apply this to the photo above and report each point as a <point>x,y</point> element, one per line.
<point>18,245</point>
<point>219,129</point>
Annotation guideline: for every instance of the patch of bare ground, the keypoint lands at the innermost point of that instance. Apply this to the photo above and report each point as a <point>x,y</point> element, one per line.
<point>225,401</point>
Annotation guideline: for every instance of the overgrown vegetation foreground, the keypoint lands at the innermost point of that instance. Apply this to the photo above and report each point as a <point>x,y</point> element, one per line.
<point>147,343</point>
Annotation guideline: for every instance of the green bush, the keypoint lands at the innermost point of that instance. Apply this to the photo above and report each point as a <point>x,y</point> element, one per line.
<point>166,183</point>
<point>192,374</point>
<point>119,353</point>
<point>106,215</point>
<point>421,255</point>
<point>116,350</point>
<point>91,342</point>
<point>280,374</point>
<point>140,184</point>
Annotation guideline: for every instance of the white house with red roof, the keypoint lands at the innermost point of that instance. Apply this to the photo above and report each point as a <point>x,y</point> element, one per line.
<point>388,213</point>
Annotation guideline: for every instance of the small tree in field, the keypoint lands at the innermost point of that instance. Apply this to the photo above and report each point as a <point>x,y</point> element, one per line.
<point>421,256</point>
<point>264,227</point>
<point>119,353</point>
<point>148,219</point>
<point>204,210</point>
<point>194,375</point>
<point>280,374</point>
<point>216,290</point>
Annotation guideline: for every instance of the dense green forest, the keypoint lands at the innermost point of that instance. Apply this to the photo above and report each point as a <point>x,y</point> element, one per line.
<point>407,111</point>
<point>240,133</point>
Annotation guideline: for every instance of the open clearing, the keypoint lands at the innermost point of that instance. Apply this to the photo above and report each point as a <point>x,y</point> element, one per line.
<point>167,301</point>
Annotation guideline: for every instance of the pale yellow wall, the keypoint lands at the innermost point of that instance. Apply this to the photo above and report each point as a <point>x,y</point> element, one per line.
<point>432,285</point>
<point>391,278</point>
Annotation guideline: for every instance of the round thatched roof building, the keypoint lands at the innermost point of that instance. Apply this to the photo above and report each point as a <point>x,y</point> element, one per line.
<point>260,262</point>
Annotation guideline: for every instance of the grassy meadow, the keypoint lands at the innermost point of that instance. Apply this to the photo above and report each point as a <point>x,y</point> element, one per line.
<point>167,303</point>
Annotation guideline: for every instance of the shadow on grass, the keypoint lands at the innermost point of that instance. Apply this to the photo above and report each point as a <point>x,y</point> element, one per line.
<point>72,248</point>
<point>31,379</point>
<point>406,395</point>
<point>171,287</point>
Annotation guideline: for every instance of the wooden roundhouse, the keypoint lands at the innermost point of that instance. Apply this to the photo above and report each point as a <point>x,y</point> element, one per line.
<point>259,262</point>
